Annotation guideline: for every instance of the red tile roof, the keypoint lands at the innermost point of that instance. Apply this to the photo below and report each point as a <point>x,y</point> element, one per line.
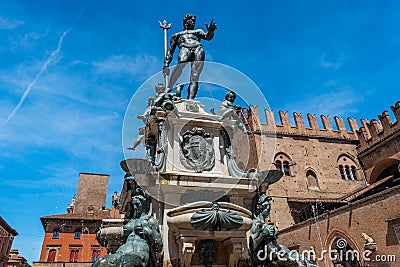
<point>95,215</point>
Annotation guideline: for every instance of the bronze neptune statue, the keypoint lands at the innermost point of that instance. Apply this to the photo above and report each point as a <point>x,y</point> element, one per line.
<point>190,50</point>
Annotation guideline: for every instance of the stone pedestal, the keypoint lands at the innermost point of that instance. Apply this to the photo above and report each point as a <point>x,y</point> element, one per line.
<point>192,164</point>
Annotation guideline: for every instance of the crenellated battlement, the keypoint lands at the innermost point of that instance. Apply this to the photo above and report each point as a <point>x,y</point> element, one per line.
<point>375,131</point>
<point>300,128</point>
<point>368,134</point>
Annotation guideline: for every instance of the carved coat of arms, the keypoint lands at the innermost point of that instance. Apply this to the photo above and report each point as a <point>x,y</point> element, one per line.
<point>197,150</point>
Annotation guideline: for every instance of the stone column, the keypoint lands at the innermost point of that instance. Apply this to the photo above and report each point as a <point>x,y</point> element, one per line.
<point>235,247</point>
<point>186,248</point>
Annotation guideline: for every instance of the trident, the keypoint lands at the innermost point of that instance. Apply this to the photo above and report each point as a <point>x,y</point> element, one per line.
<point>165,27</point>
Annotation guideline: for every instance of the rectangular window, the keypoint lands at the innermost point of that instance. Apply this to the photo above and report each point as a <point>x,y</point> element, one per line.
<point>286,168</point>
<point>397,231</point>
<point>73,255</point>
<point>51,257</point>
<point>56,234</point>
<point>77,235</point>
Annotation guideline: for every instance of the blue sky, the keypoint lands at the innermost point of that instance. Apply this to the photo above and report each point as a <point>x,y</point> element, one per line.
<point>69,69</point>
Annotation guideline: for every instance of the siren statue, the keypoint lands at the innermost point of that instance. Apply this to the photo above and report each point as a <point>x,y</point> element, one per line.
<point>142,235</point>
<point>264,247</point>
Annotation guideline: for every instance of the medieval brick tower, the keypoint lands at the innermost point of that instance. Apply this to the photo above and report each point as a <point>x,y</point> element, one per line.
<point>71,237</point>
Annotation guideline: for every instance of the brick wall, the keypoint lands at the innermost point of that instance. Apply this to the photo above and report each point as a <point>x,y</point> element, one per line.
<point>66,242</point>
<point>92,191</point>
<point>368,216</point>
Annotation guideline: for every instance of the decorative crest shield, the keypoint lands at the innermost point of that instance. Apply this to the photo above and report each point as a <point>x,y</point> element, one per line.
<point>197,150</point>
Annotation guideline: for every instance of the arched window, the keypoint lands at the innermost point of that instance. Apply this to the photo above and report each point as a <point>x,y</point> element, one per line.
<point>354,172</point>
<point>286,169</point>
<point>342,173</point>
<point>278,165</point>
<point>312,180</point>
<point>347,168</point>
<point>385,168</point>
<point>347,171</point>
<point>282,163</point>
<point>73,255</point>
<point>52,255</point>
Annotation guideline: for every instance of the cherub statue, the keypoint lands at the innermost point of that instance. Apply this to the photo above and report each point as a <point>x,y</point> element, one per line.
<point>161,102</point>
<point>159,88</point>
<point>190,50</point>
<point>228,111</point>
<point>139,139</point>
<point>165,102</point>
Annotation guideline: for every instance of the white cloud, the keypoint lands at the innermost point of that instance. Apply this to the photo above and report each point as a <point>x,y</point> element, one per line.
<point>326,62</point>
<point>22,43</point>
<point>9,24</point>
<point>65,111</point>
<point>43,68</point>
<point>139,67</point>
<point>77,62</point>
<point>341,102</point>
<point>23,182</point>
<point>51,123</point>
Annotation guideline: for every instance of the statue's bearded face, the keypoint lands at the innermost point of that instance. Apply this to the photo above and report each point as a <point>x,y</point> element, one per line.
<point>189,23</point>
<point>137,205</point>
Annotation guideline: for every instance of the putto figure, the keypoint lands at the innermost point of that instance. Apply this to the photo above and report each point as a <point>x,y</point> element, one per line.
<point>190,50</point>
<point>228,111</point>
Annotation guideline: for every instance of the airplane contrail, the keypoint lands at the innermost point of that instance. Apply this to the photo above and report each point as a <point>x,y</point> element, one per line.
<point>50,59</point>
